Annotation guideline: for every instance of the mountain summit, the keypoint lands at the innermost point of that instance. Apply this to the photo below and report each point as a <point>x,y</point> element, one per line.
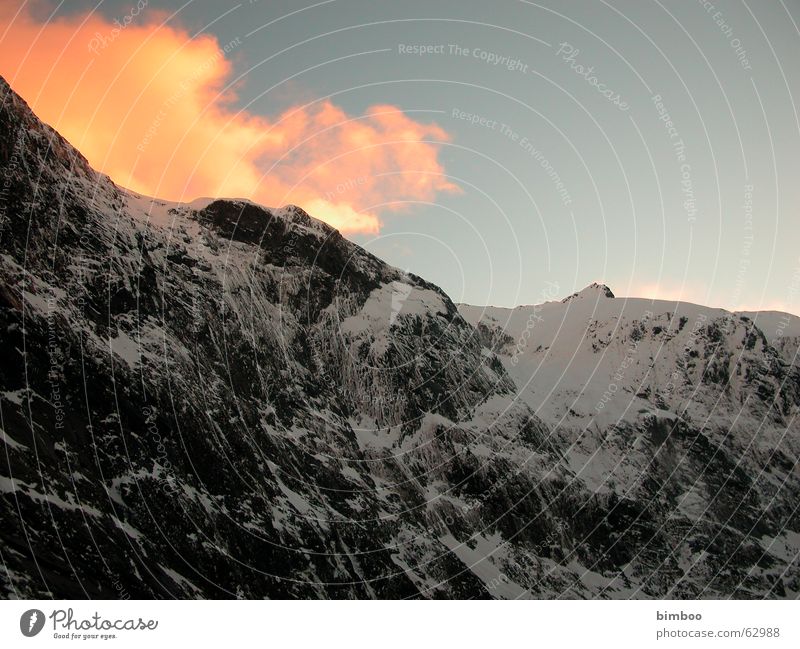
<point>220,399</point>
<point>593,291</point>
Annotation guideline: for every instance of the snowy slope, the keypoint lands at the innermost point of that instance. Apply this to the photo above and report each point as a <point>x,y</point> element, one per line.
<point>589,341</point>
<point>219,399</point>
<point>652,397</point>
<point>782,330</point>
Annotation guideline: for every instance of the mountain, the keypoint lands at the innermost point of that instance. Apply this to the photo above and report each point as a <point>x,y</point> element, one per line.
<point>689,409</point>
<point>218,399</point>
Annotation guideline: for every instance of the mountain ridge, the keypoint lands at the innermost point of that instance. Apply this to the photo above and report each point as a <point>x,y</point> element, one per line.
<point>217,399</point>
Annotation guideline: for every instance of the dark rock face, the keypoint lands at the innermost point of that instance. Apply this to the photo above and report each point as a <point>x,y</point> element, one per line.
<point>216,399</point>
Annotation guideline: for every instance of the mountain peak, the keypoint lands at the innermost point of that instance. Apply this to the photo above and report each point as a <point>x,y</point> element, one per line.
<point>594,290</point>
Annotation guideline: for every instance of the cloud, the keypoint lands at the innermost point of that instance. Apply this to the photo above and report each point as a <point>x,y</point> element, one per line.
<point>149,105</point>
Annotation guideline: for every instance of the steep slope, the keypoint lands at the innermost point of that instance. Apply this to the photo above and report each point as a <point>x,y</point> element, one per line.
<point>686,408</point>
<point>217,399</point>
<point>782,331</point>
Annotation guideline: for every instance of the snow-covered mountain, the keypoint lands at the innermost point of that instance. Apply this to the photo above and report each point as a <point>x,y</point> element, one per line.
<point>218,399</point>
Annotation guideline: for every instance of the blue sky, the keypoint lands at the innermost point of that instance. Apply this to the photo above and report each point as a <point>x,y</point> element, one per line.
<point>559,137</point>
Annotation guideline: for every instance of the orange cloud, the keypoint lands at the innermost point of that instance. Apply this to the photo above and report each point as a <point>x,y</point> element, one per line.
<point>149,105</point>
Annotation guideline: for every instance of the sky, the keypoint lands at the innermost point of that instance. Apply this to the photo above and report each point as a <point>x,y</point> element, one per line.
<point>508,151</point>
